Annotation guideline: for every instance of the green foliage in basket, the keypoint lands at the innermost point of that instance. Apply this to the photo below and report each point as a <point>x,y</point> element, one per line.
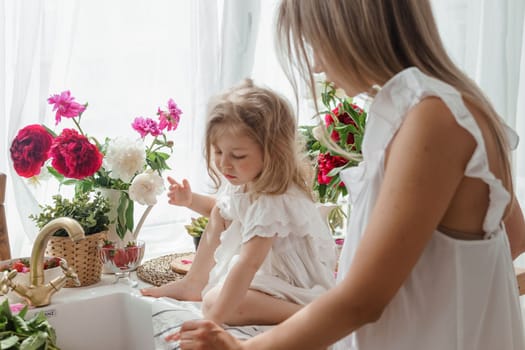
<point>90,212</point>
<point>18,333</point>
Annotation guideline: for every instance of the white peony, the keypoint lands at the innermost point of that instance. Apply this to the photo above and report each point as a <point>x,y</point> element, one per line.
<point>124,158</point>
<point>145,188</point>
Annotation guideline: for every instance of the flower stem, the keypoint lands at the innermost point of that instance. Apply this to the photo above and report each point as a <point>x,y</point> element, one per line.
<point>78,126</point>
<point>151,146</point>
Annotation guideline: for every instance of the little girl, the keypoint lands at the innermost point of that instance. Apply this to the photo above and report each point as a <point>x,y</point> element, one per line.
<point>266,250</point>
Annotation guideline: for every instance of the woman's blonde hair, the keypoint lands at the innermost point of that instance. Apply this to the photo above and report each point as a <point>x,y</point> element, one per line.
<point>369,41</point>
<point>268,119</point>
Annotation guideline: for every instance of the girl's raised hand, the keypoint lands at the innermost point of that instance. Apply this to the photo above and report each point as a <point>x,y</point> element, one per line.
<point>204,335</point>
<point>179,194</point>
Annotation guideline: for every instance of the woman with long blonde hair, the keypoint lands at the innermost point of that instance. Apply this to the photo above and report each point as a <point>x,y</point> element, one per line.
<point>427,263</point>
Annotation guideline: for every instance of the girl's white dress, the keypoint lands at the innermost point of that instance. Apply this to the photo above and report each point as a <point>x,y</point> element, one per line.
<point>300,265</point>
<point>461,294</point>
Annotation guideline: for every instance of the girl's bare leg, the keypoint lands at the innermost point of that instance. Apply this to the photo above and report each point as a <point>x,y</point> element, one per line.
<point>191,286</point>
<point>256,308</point>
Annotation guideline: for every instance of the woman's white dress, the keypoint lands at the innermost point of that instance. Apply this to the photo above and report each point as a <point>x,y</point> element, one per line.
<point>301,262</point>
<point>461,294</point>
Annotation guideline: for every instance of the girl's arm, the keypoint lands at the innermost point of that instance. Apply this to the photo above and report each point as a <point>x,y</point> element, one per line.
<point>202,204</point>
<point>515,225</point>
<point>239,279</point>
<point>180,194</point>
<point>425,165</point>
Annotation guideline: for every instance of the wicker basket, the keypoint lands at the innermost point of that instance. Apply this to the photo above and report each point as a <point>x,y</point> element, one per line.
<point>81,255</point>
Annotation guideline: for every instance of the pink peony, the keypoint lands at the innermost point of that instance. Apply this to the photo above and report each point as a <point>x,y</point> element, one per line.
<point>30,150</point>
<point>146,126</point>
<point>65,106</point>
<point>74,156</point>
<point>170,119</point>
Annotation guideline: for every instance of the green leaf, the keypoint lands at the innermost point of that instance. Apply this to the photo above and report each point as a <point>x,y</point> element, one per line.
<point>9,342</point>
<point>22,313</point>
<point>55,174</point>
<point>157,160</point>
<point>124,215</point>
<point>83,207</point>
<point>3,323</point>
<point>33,334</point>
<point>69,182</point>
<point>20,324</point>
<point>335,171</point>
<point>129,215</point>
<point>35,341</point>
<point>5,310</point>
<point>49,130</point>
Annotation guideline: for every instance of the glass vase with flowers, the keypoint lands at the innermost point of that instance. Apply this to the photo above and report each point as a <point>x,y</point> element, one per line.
<point>124,169</point>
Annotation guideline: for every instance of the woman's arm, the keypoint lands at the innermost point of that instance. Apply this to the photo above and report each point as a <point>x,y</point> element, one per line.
<point>515,226</point>
<point>236,285</point>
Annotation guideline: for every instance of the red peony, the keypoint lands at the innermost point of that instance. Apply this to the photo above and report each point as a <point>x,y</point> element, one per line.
<point>74,156</point>
<point>344,118</point>
<point>327,163</point>
<point>30,150</point>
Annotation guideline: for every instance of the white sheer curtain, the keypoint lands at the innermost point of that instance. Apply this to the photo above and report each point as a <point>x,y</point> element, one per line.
<point>125,58</point>
<point>29,32</point>
<point>487,40</point>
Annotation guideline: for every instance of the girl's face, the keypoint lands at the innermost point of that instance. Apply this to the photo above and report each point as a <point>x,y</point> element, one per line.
<point>238,157</point>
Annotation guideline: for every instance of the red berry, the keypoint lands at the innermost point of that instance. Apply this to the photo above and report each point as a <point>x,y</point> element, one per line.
<point>120,259</point>
<point>132,253</point>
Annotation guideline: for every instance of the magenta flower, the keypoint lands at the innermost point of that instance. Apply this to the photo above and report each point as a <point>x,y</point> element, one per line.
<point>171,118</point>
<point>65,106</point>
<point>16,308</point>
<point>145,126</point>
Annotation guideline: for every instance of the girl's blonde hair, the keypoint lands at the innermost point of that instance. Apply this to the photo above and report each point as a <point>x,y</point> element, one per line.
<point>367,42</point>
<point>268,119</point>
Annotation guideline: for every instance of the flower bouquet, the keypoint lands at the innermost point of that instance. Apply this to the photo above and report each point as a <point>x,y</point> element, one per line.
<point>343,129</point>
<point>124,169</point>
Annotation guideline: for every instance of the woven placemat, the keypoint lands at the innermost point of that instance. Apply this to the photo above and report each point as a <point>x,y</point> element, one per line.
<point>158,271</point>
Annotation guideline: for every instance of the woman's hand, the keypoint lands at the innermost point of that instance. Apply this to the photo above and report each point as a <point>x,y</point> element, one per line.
<point>179,193</point>
<point>203,335</point>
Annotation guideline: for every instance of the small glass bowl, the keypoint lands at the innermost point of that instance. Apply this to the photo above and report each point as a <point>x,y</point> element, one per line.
<point>121,261</point>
